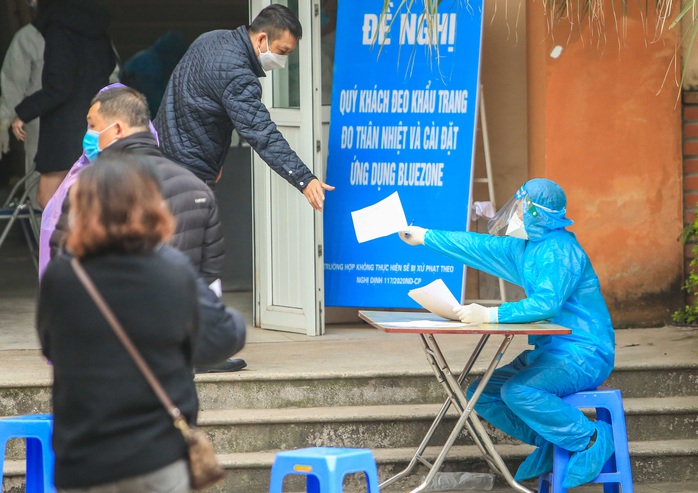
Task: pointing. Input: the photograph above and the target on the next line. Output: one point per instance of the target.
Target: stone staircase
(249, 419)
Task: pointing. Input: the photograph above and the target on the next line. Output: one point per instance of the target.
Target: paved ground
(344, 350)
(642, 488)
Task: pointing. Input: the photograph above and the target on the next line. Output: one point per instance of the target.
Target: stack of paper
(437, 298)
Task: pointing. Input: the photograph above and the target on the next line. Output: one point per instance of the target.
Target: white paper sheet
(437, 298)
(380, 219)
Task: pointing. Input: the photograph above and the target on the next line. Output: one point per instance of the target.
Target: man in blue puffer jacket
(523, 398)
(215, 88)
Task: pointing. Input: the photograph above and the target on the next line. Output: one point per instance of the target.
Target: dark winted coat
(78, 60)
(108, 423)
(199, 233)
(214, 89)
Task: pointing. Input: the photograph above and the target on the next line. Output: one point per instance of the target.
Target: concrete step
(672, 461)
(245, 390)
(397, 426)
(29, 398)
(675, 461)
(655, 381)
(400, 426)
(667, 418)
(234, 391)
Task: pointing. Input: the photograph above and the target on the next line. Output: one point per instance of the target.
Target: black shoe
(229, 365)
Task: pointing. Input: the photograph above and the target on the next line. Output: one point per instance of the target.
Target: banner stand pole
(490, 190)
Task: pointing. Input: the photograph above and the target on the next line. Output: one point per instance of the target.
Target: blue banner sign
(404, 106)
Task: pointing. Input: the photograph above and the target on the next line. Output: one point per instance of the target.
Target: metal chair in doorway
(18, 209)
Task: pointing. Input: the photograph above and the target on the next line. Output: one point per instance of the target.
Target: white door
(288, 270)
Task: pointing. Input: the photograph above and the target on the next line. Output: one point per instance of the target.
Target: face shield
(509, 219)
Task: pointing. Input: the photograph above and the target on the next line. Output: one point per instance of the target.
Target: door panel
(288, 271)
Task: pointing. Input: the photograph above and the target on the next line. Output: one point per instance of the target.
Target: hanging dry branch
(587, 17)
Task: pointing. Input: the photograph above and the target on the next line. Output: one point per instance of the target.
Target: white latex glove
(413, 235)
(4, 137)
(477, 314)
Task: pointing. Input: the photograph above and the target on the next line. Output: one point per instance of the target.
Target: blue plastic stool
(37, 429)
(324, 468)
(609, 408)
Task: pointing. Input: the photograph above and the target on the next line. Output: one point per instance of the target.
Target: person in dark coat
(121, 117)
(78, 60)
(149, 70)
(215, 89)
(110, 429)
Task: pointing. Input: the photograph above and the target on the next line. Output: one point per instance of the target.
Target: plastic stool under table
(37, 430)
(609, 408)
(324, 468)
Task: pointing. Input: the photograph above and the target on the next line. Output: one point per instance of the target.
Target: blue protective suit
(523, 397)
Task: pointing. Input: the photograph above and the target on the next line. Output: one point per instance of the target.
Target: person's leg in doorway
(31, 144)
(48, 184)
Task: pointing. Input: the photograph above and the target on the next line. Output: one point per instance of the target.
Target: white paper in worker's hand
(437, 298)
(380, 219)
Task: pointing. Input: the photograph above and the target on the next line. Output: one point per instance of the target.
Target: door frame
(306, 315)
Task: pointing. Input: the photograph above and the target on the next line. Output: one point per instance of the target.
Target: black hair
(274, 20)
(126, 103)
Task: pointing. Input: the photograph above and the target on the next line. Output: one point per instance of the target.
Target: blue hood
(551, 202)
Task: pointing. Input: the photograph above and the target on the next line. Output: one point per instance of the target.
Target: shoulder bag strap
(172, 410)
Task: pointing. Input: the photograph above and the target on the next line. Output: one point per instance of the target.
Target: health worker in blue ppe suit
(523, 398)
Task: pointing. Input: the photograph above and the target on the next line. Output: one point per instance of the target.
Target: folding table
(426, 325)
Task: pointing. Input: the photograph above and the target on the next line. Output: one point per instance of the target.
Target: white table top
(428, 323)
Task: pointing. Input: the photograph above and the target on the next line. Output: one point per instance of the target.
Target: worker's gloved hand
(477, 314)
(413, 235)
(4, 137)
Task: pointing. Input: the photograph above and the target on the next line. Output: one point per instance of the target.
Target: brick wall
(690, 169)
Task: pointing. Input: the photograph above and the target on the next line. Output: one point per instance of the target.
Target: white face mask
(271, 60)
(516, 228)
